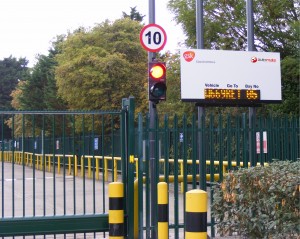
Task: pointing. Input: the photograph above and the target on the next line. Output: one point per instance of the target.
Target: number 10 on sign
(153, 37)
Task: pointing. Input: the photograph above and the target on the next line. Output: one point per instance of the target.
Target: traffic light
(157, 81)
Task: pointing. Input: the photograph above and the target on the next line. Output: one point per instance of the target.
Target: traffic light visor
(157, 71)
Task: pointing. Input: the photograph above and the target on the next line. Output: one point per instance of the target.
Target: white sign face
(215, 77)
(153, 37)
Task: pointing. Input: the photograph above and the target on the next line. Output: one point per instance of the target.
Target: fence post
(196, 214)
(163, 210)
(116, 210)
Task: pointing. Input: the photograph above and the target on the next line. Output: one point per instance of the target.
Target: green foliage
(276, 29)
(134, 15)
(11, 72)
(173, 104)
(290, 68)
(38, 91)
(99, 67)
(260, 202)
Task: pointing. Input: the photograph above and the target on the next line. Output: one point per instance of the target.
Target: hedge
(259, 202)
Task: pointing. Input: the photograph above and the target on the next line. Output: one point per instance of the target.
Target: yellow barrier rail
(57, 160)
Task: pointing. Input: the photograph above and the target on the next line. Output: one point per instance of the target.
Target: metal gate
(55, 169)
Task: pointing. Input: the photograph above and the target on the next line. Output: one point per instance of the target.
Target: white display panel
(217, 77)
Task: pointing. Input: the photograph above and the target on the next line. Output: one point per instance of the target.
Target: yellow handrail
(48, 161)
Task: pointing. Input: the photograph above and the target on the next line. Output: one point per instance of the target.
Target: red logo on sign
(253, 59)
(189, 56)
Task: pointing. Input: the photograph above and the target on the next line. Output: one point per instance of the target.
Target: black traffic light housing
(157, 81)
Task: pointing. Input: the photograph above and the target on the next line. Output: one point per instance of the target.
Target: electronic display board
(230, 78)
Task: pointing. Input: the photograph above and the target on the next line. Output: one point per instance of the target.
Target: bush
(259, 202)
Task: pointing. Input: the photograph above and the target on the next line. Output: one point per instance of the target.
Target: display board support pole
(252, 110)
(201, 110)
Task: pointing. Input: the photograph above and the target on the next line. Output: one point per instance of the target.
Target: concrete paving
(51, 194)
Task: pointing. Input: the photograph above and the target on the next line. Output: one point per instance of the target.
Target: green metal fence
(47, 187)
(226, 147)
(55, 166)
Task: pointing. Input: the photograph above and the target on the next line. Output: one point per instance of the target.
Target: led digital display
(230, 78)
(231, 94)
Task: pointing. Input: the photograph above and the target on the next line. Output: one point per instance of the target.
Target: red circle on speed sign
(153, 37)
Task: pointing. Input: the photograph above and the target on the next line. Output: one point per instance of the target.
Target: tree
(11, 72)
(98, 67)
(39, 92)
(173, 103)
(134, 15)
(276, 29)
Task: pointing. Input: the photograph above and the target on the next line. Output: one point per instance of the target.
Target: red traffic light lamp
(157, 81)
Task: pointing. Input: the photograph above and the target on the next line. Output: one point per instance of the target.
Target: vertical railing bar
(212, 166)
(290, 138)
(33, 163)
(229, 130)
(238, 140)
(83, 155)
(74, 164)
(112, 148)
(94, 165)
(261, 125)
(102, 163)
(123, 150)
(297, 136)
(54, 165)
(194, 152)
(278, 138)
(23, 163)
(286, 140)
(278, 149)
(281, 137)
(2, 163)
(74, 169)
(148, 219)
(185, 165)
(253, 130)
(13, 166)
(157, 155)
(212, 169)
(202, 150)
(273, 136)
(64, 162)
(294, 138)
(166, 148)
(140, 177)
(220, 148)
(268, 138)
(176, 206)
(44, 166)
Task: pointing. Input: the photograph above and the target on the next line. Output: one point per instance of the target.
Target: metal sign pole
(201, 110)
(152, 163)
(252, 110)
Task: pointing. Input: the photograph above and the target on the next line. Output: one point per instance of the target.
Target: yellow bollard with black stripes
(116, 210)
(196, 214)
(163, 210)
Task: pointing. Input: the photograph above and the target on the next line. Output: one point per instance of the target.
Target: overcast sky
(28, 26)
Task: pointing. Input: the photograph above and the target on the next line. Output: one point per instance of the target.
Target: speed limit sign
(153, 37)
